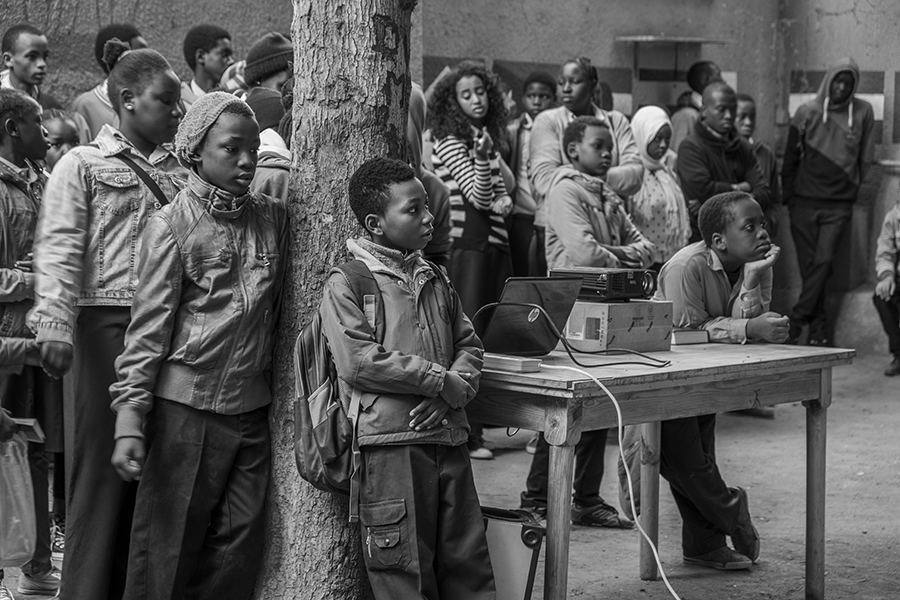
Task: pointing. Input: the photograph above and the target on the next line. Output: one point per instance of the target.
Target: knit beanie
(200, 118)
(266, 104)
(267, 56)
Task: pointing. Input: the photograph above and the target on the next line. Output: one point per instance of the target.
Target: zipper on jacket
(369, 540)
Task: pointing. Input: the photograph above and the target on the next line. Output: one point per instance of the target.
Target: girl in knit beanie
(195, 371)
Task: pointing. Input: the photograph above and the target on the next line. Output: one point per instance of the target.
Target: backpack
(325, 442)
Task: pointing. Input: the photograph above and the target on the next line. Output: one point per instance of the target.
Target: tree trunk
(351, 94)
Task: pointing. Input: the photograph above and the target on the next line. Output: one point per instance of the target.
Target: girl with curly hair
(467, 118)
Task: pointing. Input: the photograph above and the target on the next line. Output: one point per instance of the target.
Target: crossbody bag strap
(148, 181)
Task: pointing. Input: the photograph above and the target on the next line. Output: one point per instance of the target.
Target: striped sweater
(475, 185)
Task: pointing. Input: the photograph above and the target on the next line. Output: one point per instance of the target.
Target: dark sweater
(709, 165)
(829, 146)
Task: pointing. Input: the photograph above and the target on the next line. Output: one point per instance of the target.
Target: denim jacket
(204, 313)
(20, 200)
(426, 333)
(89, 230)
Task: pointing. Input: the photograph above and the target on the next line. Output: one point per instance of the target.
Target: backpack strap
(363, 284)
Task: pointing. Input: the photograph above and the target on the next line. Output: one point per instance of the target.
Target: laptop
(523, 330)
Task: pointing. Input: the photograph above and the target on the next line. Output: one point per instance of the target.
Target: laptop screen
(524, 330)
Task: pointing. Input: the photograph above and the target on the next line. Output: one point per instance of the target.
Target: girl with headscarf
(659, 209)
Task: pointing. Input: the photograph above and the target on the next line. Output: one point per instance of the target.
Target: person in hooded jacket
(714, 158)
(829, 149)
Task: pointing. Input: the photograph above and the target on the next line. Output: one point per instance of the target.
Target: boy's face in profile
(28, 60)
(719, 108)
(745, 238)
(745, 120)
(218, 59)
(593, 154)
(228, 156)
(406, 224)
(28, 135)
(536, 98)
(62, 136)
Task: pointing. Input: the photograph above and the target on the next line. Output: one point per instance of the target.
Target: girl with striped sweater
(467, 115)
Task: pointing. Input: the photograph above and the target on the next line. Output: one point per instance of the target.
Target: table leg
(816, 419)
(650, 442)
(559, 507)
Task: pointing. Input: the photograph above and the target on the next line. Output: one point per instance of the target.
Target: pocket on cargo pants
(386, 534)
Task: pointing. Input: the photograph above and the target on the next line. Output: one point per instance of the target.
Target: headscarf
(200, 118)
(658, 209)
(645, 124)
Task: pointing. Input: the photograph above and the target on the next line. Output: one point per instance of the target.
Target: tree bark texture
(351, 95)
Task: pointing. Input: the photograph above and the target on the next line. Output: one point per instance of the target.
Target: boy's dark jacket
(20, 201)
(829, 147)
(426, 334)
(710, 165)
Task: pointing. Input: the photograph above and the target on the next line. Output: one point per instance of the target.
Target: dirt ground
(768, 458)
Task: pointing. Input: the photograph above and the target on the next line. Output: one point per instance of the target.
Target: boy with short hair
(745, 122)
(193, 389)
(25, 51)
(587, 226)
(714, 158)
(422, 529)
(26, 391)
(722, 284)
(208, 52)
(538, 94)
(887, 294)
(699, 75)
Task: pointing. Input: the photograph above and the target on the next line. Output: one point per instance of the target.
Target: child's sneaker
(39, 585)
(58, 531)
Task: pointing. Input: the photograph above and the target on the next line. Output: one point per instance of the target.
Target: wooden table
(702, 379)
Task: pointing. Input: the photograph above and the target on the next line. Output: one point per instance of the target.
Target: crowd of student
(148, 267)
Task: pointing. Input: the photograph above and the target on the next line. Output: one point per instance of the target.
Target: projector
(605, 285)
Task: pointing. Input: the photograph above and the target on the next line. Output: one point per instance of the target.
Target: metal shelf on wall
(675, 40)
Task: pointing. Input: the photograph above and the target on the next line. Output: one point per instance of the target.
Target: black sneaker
(723, 559)
(745, 536)
(58, 533)
(893, 368)
(599, 515)
(537, 508)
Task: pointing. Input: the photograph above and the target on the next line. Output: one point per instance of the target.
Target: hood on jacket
(844, 64)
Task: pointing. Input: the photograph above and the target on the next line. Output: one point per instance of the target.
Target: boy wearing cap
(269, 61)
(193, 390)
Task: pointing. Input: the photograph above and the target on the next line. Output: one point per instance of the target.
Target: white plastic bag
(18, 529)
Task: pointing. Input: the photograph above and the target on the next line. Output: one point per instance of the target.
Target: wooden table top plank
(691, 363)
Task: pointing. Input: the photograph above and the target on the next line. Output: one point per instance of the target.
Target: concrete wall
(539, 33)
(72, 25)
